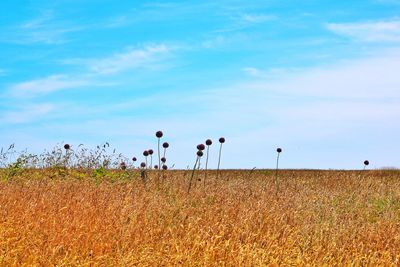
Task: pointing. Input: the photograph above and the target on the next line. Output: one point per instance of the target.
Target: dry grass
(319, 218)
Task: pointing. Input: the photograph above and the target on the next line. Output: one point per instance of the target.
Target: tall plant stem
(191, 177)
(159, 157)
(219, 159)
(205, 173)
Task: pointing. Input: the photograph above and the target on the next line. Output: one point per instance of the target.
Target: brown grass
(319, 218)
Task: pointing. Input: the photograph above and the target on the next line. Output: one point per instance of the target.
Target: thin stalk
(159, 157)
(151, 161)
(219, 159)
(205, 173)
(191, 177)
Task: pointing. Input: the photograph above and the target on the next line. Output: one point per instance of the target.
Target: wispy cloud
(43, 29)
(256, 18)
(377, 31)
(27, 113)
(132, 58)
(46, 85)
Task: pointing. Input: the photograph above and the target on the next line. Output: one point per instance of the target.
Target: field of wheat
(69, 217)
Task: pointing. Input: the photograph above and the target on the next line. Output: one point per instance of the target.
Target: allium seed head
(134, 159)
(163, 160)
(156, 167)
(145, 153)
(165, 167)
(366, 163)
(201, 147)
(159, 134)
(165, 145)
(208, 142)
(67, 146)
(142, 164)
(200, 153)
(150, 151)
(279, 150)
(222, 140)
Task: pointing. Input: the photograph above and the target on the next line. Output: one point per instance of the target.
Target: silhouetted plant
(278, 150)
(366, 163)
(165, 146)
(159, 134)
(221, 141)
(199, 155)
(208, 144)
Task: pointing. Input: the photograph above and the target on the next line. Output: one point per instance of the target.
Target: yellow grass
(319, 218)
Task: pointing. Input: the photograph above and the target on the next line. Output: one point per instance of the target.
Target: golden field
(69, 217)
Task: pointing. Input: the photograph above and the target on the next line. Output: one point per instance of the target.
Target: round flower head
(201, 147)
(366, 163)
(142, 164)
(145, 153)
(67, 146)
(165, 167)
(208, 142)
(159, 134)
(150, 151)
(222, 140)
(156, 167)
(200, 153)
(134, 159)
(163, 160)
(279, 150)
(165, 145)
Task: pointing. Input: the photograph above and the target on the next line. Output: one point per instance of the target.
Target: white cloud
(256, 18)
(27, 113)
(378, 31)
(131, 59)
(45, 86)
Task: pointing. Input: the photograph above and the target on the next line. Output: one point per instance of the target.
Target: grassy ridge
(68, 217)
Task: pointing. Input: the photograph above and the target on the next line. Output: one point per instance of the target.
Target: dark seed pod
(279, 150)
(200, 153)
(145, 153)
(165, 145)
(159, 134)
(143, 165)
(150, 151)
(163, 160)
(165, 167)
(134, 159)
(156, 167)
(208, 142)
(222, 140)
(201, 147)
(67, 146)
(366, 163)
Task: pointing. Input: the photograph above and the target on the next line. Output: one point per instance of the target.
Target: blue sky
(318, 78)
